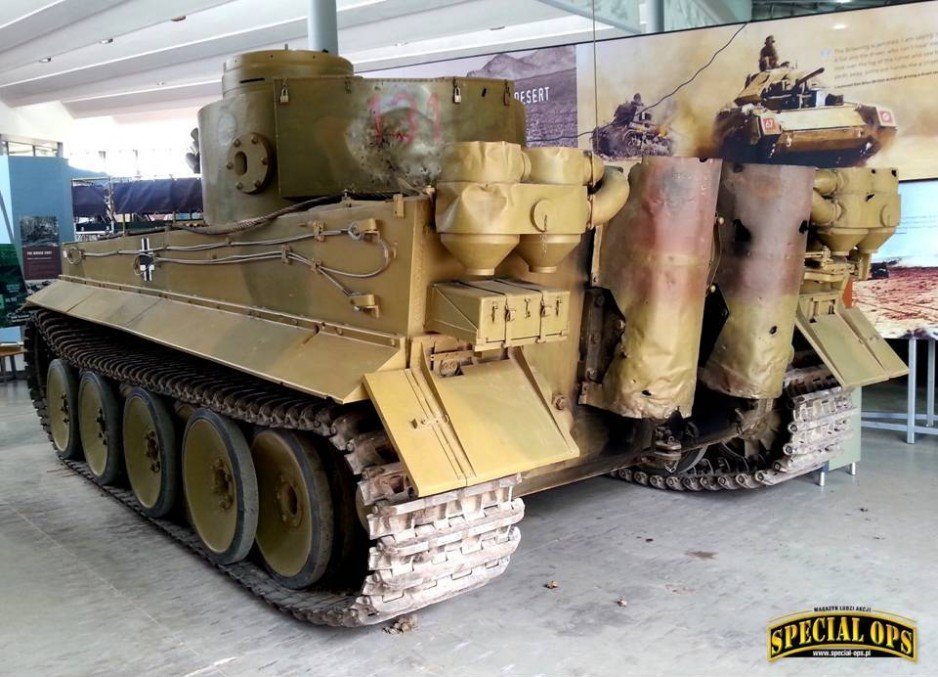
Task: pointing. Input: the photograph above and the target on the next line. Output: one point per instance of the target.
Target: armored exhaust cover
(655, 258)
(762, 242)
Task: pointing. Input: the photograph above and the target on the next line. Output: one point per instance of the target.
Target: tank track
(421, 551)
(818, 422)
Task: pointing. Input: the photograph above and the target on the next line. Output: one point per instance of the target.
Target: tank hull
(615, 142)
(834, 136)
(362, 385)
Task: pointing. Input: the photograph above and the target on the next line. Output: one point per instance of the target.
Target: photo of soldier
(626, 112)
(768, 55)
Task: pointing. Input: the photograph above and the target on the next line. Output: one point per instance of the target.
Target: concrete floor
(87, 588)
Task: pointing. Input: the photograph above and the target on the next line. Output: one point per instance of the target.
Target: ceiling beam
(79, 26)
(200, 59)
(368, 63)
(48, 19)
(442, 21)
(621, 14)
(14, 10)
(235, 16)
(169, 65)
(356, 13)
(534, 35)
(168, 98)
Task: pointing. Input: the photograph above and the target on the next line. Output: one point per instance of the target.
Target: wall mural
(841, 89)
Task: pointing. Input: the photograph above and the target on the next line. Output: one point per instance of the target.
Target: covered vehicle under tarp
(89, 200)
(158, 196)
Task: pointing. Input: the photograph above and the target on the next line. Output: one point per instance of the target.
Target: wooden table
(9, 351)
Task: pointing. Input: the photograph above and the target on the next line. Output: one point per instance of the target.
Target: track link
(422, 550)
(818, 422)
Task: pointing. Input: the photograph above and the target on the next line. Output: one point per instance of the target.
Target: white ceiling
(122, 57)
(105, 57)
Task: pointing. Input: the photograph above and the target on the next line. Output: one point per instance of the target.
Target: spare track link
(818, 423)
(422, 550)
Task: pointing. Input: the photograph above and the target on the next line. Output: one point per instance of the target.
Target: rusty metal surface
(818, 423)
(655, 260)
(761, 258)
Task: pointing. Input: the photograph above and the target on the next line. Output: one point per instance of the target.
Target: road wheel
(295, 529)
(350, 547)
(220, 486)
(62, 402)
(150, 453)
(99, 424)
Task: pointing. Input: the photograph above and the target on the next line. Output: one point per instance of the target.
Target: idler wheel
(689, 460)
(295, 527)
(150, 453)
(220, 486)
(62, 405)
(99, 422)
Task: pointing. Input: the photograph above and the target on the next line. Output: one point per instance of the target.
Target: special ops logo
(842, 632)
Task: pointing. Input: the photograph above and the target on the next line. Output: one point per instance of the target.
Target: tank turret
(294, 125)
(775, 88)
(802, 80)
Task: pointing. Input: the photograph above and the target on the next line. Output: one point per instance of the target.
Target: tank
(787, 115)
(397, 321)
(642, 136)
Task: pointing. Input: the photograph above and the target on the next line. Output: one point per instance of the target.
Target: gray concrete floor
(87, 588)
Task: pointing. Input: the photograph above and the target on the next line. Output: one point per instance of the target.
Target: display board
(12, 287)
(39, 236)
(835, 89)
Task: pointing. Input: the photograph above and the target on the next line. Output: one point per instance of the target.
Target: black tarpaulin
(158, 196)
(89, 200)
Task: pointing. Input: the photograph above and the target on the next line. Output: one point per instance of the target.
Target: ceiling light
(45, 59)
(839, 27)
(179, 18)
(107, 41)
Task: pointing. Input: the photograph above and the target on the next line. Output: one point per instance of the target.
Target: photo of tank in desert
(545, 82)
(632, 133)
(787, 115)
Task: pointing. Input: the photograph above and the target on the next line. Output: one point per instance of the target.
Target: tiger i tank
(397, 320)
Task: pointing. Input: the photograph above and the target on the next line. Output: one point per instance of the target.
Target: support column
(654, 16)
(910, 402)
(322, 30)
(930, 385)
